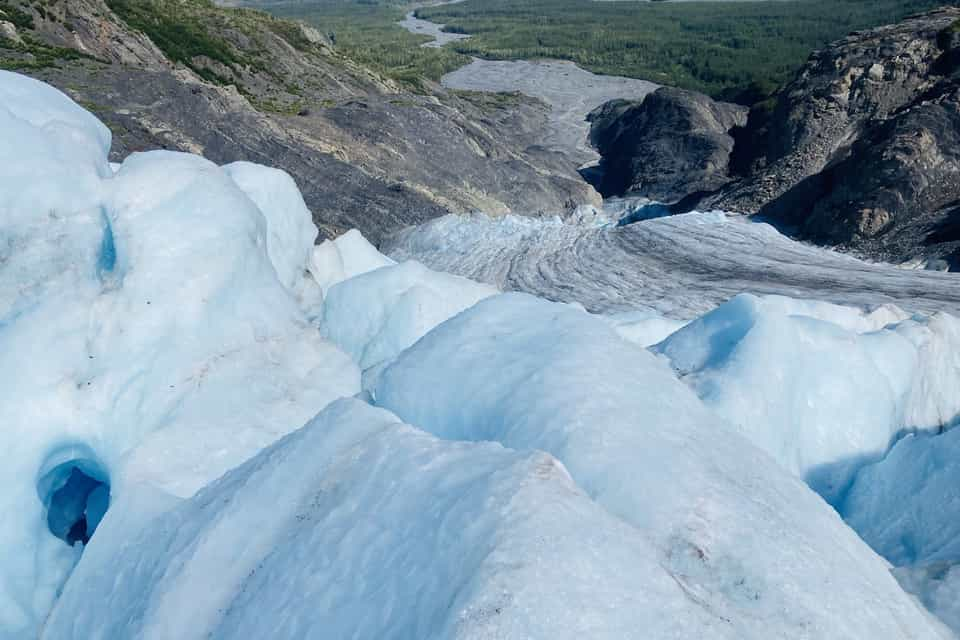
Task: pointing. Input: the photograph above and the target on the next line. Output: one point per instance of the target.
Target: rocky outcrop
(365, 152)
(840, 92)
(8, 31)
(862, 149)
(893, 194)
(667, 146)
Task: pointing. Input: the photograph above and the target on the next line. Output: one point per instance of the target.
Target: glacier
(538, 375)
(218, 429)
(904, 506)
(679, 266)
(821, 388)
(145, 331)
(376, 315)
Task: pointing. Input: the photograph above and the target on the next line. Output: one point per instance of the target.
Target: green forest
(733, 50)
(367, 31)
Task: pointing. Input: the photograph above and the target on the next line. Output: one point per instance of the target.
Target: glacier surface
(145, 330)
(216, 429)
(820, 387)
(376, 315)
(679, 266)
(905, 507)
(537, 375)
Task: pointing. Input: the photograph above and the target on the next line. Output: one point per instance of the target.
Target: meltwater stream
(416, 25)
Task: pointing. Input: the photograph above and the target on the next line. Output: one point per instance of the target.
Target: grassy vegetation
(11, 13)
(367, 32)
(195, 32)
(723, 48)
(734, 50)
(30, 53)
(170, 25)
(34, 55)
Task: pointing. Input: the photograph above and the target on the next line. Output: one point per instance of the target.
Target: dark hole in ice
(76, 494)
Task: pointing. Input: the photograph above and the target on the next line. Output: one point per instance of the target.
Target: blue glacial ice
(215, 429)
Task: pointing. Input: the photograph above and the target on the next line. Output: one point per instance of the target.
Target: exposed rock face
(860, 150)
(839, 93)
(365, 153)
(862, 147)
(893, 192)
(9, 31)
(671, 144)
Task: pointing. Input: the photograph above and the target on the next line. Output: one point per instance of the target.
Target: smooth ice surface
(347, 256)
(358, 526)
(142, 320)
(290, 228)
(907, 507)
(645, 328)
(536, 375)
(820, 387)
(679, 266)
(376, 315)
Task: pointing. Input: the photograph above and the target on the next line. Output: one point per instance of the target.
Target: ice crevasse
(168, 329)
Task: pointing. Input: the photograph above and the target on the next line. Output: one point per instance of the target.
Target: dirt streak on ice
(680, 266)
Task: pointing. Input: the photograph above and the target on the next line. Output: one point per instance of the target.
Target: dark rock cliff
(865, 144)
(861, 150)
(670, 144)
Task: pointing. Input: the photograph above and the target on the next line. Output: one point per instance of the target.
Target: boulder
(9, 32)
(667, 146)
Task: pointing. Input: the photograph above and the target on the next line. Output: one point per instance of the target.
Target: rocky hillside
(860, 150)
(863, 147)
(235, 84)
